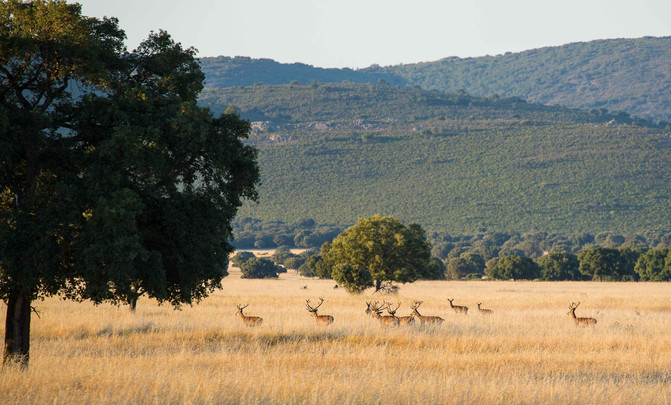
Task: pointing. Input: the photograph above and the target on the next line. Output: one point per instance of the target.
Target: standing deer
(579, 321)
(248, 320)
(322, 319)
(484, 311)
(424, 319)
(376, 312)
(403, 320)
(458, 308)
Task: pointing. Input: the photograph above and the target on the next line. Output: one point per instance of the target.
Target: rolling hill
(450, 161)
(618, 75)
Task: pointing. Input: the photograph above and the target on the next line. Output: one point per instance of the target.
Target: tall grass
(528, 351)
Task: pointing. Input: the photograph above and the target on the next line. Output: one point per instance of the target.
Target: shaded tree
(241, 257)
(113, 180)
(259, 267)
(558, 266)
(353, 277)
(655, 265)
(514, 267)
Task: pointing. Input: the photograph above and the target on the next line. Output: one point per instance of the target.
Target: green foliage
(382, 246)
(354, 278)
(609, 264)
(113, 180)
(560, 266)
(435, 270)
(315, 266)
(496, 164)
(259, 267)
(241, 258)
(514, 267)
(467, 263)
(655, 265)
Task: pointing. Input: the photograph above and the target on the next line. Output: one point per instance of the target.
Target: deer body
(402, 320)
(484, 311)
(580, 321)
(424, 319)
(321, 319)
(376, 312)
(248, 320)
(458, 308)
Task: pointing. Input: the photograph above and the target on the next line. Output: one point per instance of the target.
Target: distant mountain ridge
(627, 75)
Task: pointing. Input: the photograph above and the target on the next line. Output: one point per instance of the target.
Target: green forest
(452, 162)
(627, 75)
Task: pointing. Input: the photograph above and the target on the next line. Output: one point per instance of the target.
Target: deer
(484, 311)
(402, 320)
(376, 312)
(579, 321)
(321, 319)
(248, 320)
(458, 308)
(424, 319)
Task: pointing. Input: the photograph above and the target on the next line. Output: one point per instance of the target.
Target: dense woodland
(629, 75)
(452, 162)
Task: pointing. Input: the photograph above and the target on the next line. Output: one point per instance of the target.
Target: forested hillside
(450, 161)
(628, 75)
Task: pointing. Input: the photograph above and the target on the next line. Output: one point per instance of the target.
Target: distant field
(528, 351)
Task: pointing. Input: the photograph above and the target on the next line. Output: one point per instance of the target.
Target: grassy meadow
(528, 351)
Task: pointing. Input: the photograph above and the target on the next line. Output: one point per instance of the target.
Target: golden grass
(528, 351)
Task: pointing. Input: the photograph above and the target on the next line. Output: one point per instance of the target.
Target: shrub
(260, 267)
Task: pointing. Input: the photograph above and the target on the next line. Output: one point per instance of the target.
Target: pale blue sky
(359, 33)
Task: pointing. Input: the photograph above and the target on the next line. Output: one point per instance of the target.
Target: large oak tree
(380, 246)
(112, 180)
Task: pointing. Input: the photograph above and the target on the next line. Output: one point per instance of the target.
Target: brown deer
(248, 320)
(484, 311)
(375, 311)
(458, 308)
(322, 319)
(402, 320)
(579, 321)
(424, 319)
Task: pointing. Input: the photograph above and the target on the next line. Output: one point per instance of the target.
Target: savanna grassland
(528, 351)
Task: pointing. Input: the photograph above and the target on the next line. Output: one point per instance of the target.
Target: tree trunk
(17, 329)
(133, 302)
(378, 285)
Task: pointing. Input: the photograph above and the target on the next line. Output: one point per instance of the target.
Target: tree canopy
(111, 177)
(381, 246)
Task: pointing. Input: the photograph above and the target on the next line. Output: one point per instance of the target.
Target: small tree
(241, 258)
(384, 247)
(560, 266)
(435, 270)
(259, 267)
(514, 267)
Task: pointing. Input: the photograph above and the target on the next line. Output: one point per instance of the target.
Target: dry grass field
(527, 352)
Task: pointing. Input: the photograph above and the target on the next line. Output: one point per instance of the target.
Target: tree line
(381, 249)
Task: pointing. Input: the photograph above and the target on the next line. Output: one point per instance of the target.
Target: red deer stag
(460, 309)
(484, 311)
(248, 320)
(424, 319)
(580, 321)
(402, 320)
(322, 319)
(375, 311)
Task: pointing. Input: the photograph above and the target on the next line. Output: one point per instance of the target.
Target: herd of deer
(375, 309)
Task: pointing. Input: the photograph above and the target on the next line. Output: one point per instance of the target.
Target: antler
(574, 305)
(240, 307)
(311, 309)
(393, 311)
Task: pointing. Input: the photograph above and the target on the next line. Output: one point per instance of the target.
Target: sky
(360, 33)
